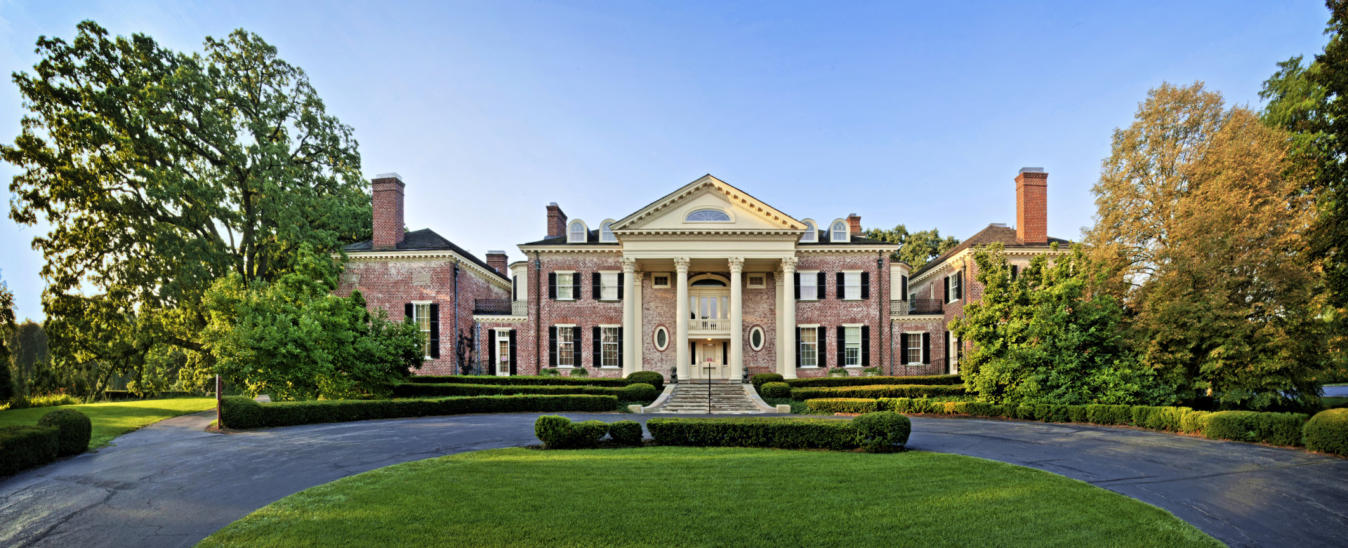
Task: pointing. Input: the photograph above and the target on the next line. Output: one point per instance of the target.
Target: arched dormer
(811, 234)
(606, 235)
(577, 232)
(838, 232)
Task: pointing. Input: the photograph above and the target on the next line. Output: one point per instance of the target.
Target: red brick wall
(389, 284)
(760, 309)
(1032, 207)
(657, 311)
(585, 312)
(388, 212)
(832, 312)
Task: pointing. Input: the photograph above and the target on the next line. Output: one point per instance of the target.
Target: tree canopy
(916, 248)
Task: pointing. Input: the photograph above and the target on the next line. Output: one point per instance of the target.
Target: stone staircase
(727, 397)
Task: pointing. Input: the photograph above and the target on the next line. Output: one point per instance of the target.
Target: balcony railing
(500, 307)
(916, 306)
(705, 325)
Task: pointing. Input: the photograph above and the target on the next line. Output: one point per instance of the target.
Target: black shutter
(512, 351)
(622, 356)
(798, 346)
(1015, 270)
(959, 287)
(725, 353)
(821, 294)
(575, 338)
(945, 296)
(552, 346)
(491, 352)
(596, 348)
(903, 281)
(407, 312)
(838, 292)
(594, 285)
(552, 285)
(435, 330)
(959, 347)
(903, 348)
(842, 346)
(946, 361)
(926, 348)
(621, 281)
(866, 345)
(797, 277)
(865, 285)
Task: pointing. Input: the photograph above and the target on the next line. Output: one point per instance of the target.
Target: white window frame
(811, 234)
(833, 229)
(952, 350)
(571, 232)
(762, 280)
(812, 276)
(852, 341)
(501, 335)
(571, 285)
(728, 217)
(608, 285)
(762, 338)
(851, 285)
(606, 234)
(655, 280)
(655, 338)
(417, 316)
(566, 328)
(813, 329)
(921, 356)
(617, 346)
(952, 287)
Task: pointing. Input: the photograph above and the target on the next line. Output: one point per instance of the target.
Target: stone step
(692, 398)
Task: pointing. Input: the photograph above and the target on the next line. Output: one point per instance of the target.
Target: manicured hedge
(23, 447)
(763, 378)
(429, 390)
(625, 432)
(240, 412)
(1274, 428)
(882, 432)
(775, 390)
(877, 391)
(1327, 431)
(649, 377)
(560, 433)
(521, 380)
(820, 382)
(843, 405)
(755, 432)
(73, 427)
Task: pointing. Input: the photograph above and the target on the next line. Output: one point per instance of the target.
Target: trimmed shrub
(554, 431)
(838, 372)
(526, 380)
(1051, 413)
(23, 447)
(882, 432)
(73, 427)
(430, 390)
(763, 378)
(579, 372)
(649, 377)
(586, 434)
(1327, 432)
(1273, 428)
(1025, 411)
(790, 433)
(820, 382)
(1193, 422)
(1077, 413)
(843, 405)
(638, 392)
(550, 372)
(240, 412)
(625, 432)
(1109, 414)
(910, 405)
(877, 391)
(1166, 418)
(775, 390)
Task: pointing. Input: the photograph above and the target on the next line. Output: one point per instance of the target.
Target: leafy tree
(32, 361)
(917, 248)
(294, 339)
(161, 172)
(1050, 335)
(6, 328)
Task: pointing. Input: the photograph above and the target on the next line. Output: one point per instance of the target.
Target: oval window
(756, 338)
(661, 338)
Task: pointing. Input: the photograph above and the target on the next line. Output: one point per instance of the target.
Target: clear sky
(914, 113)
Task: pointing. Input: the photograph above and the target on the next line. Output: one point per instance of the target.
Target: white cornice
(736, 196)
(487, 318)
(916, 318)
(574, 248)
(424, 255)
(846, 248)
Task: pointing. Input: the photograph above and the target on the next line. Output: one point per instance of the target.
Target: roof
(993, 234)
(424, 240)
(855, 240)
(590, 238)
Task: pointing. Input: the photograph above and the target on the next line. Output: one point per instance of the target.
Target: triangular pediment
(708, 204)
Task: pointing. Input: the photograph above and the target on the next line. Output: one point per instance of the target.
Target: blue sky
(912, 113)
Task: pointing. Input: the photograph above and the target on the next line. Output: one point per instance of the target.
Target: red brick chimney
(497, 260)
(1032, 206)
(854, 224)
(556, 221)
(388, 210)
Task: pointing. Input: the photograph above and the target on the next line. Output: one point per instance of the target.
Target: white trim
(574, 285)
(617, 287)
(564, 325)
(656, 341)
(748, 281)
(921, 355)
(585, 232)
(811, 234)
(730, 217)
(762, 335)
(847, 231)
(492, 277)
(847, 273)
(666, 285)
(814, 281)
(607, 224)
(813, 325)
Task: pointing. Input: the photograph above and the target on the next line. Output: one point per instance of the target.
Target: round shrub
(554, 431)
(882, 431)
(74, 429)
(1327, 432)
(775, 390)
(639, 392)
(625, 432)
(649, 377)
(588, 433)
(763, 378)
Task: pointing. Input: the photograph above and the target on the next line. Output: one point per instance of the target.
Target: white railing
(519, 308)
(709, 324)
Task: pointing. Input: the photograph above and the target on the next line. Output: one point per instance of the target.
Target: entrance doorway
(710, 359)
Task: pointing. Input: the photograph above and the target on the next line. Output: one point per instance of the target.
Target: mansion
(707, 282)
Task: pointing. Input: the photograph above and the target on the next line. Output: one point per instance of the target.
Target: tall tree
(6, 329)
(32, 363)
(161, 171)
(916, 248)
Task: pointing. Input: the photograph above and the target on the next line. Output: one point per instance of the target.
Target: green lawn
(112, 419)
(708, 497)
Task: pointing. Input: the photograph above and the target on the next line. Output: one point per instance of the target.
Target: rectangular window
(502, 352)
(952, 349)
(421, 315)
(608, 286)
(914, 345)
(757, 281)
(566, 287)
(566, 346)
(809, 347)
(809, 285)
(660, 281)
(852, 286)
(852, 350)
(954, 291)
(610, 351)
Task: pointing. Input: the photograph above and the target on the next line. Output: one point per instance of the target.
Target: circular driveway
(172, 483)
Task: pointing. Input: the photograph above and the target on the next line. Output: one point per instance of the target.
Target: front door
(711, 362)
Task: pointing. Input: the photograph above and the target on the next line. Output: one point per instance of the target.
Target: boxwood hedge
(790, 433)
(560, 433)
(819, 382)
(23, 447)
(649, 377)
(877, 391)
(1274, 428)
(239, 412)
(843, 405)
(73, 427)
(1327, 431)
(775, 390)
(763, 378)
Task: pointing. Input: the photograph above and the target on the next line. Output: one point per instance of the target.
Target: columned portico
(681, 356)
(788, 328)
(736, 318)
(631, 328)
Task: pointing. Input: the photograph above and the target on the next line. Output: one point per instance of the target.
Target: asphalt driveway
(172, 484)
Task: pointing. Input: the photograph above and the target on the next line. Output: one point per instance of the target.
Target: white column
(630, 327)
(681, 357)
(736, 318)
(780, 336)
(789, 318)
(639, 338)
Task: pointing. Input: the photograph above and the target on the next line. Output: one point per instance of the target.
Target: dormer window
(606, 232)
(838, 234)
(576, 232)
(707, 216)
(811, 234)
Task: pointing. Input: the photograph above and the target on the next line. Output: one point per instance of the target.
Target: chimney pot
(387, 196)
(496, 259)
(1032, 206)
(556, 221)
